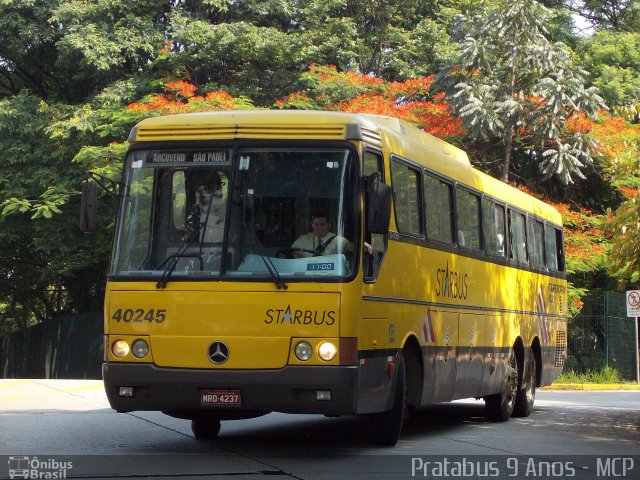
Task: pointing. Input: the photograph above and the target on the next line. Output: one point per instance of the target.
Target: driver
(320, 240)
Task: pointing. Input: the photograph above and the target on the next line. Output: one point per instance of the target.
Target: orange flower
(628, 191)
(183, 88)
(577, 303)
(580, 123)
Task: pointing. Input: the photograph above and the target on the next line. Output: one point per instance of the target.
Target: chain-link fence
(602, 335)
(63, 347)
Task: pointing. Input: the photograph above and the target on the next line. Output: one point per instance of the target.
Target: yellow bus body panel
(256, 326)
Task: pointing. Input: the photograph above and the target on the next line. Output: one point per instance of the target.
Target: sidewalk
(592, 386)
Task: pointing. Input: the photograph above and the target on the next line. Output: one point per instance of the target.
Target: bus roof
(392, 134)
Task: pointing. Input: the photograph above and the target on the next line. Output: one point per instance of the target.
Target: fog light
(303, 351)
(125, 391)
(327, 351)
(323, 395)
(120, 348)
(140, 348)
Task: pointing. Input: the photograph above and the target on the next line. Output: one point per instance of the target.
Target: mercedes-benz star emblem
(218, 352)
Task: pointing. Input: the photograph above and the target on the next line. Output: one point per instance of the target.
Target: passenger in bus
(211, 206)
(320, 240)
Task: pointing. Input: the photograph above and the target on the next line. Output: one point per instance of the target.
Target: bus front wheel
(499, 407)
(205, 429)
(385, 427)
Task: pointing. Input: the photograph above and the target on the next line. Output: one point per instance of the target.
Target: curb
(592, 386)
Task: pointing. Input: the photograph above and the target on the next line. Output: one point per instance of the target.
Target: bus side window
(536, 242)
(553, 249)
(494, 230)
(439, 209)
(518, 236)
(378, 242)
(406, 198)
(468, 210)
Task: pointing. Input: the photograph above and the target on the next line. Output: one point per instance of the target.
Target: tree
(620, 146)
(46, 267)
(75, 76)
(510, 83)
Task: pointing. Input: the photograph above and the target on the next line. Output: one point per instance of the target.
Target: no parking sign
(633, 310)
(633, 303)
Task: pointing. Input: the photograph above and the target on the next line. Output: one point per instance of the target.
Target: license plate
(229, 398)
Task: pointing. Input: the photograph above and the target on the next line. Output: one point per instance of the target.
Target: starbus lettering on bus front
(299, 317)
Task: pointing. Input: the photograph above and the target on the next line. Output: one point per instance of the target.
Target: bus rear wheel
(527, 395)
(385, 427)
(205, 429)
(499, 407)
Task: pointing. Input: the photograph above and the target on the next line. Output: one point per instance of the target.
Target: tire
(385, 427)
(499, 407)
(527, 391)
(205, 429)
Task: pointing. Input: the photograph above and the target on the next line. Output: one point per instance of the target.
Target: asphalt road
(64, 428)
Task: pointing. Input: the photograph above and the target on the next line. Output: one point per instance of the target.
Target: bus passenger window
(536, 243)
(518, 236)
(406, 198)
(494, 228)
(468, 209)
(553, 249)
(439, 210)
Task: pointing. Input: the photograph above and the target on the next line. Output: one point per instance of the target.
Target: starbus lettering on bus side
(451, 284)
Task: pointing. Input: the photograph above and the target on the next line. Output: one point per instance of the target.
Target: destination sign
(217, 157)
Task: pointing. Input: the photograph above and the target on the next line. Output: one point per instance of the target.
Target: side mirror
(88, 206)
(378, 203)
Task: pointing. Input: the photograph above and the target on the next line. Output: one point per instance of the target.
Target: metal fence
(63, 347)
(602, 335)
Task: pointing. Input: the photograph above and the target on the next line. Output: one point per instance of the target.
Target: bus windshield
(261, 212)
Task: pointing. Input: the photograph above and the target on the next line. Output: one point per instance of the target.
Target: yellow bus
(429, 280)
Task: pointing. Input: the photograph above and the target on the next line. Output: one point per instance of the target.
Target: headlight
(140, 348)
(120, 348)
(327, 351)
(304, 351)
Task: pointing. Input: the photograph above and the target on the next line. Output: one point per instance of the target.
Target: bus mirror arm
(89, 198)
(378, 202)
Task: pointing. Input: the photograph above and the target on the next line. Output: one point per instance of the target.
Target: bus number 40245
(137, 315)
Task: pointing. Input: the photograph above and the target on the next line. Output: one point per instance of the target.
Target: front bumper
(291, 389)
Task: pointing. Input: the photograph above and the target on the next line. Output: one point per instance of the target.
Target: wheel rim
(531, 384)
(512, 382)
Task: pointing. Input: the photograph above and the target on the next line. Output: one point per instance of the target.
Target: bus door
(470, 355)
(445, 362)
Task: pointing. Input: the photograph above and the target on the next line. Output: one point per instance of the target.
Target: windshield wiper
(271, 268)
(174, 258)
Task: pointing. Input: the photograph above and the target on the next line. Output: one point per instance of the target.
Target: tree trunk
(508, 143)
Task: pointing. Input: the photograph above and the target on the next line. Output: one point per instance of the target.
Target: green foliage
(613, 62)
(46, 266)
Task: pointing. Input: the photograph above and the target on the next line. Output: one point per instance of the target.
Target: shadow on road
(315, 435)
